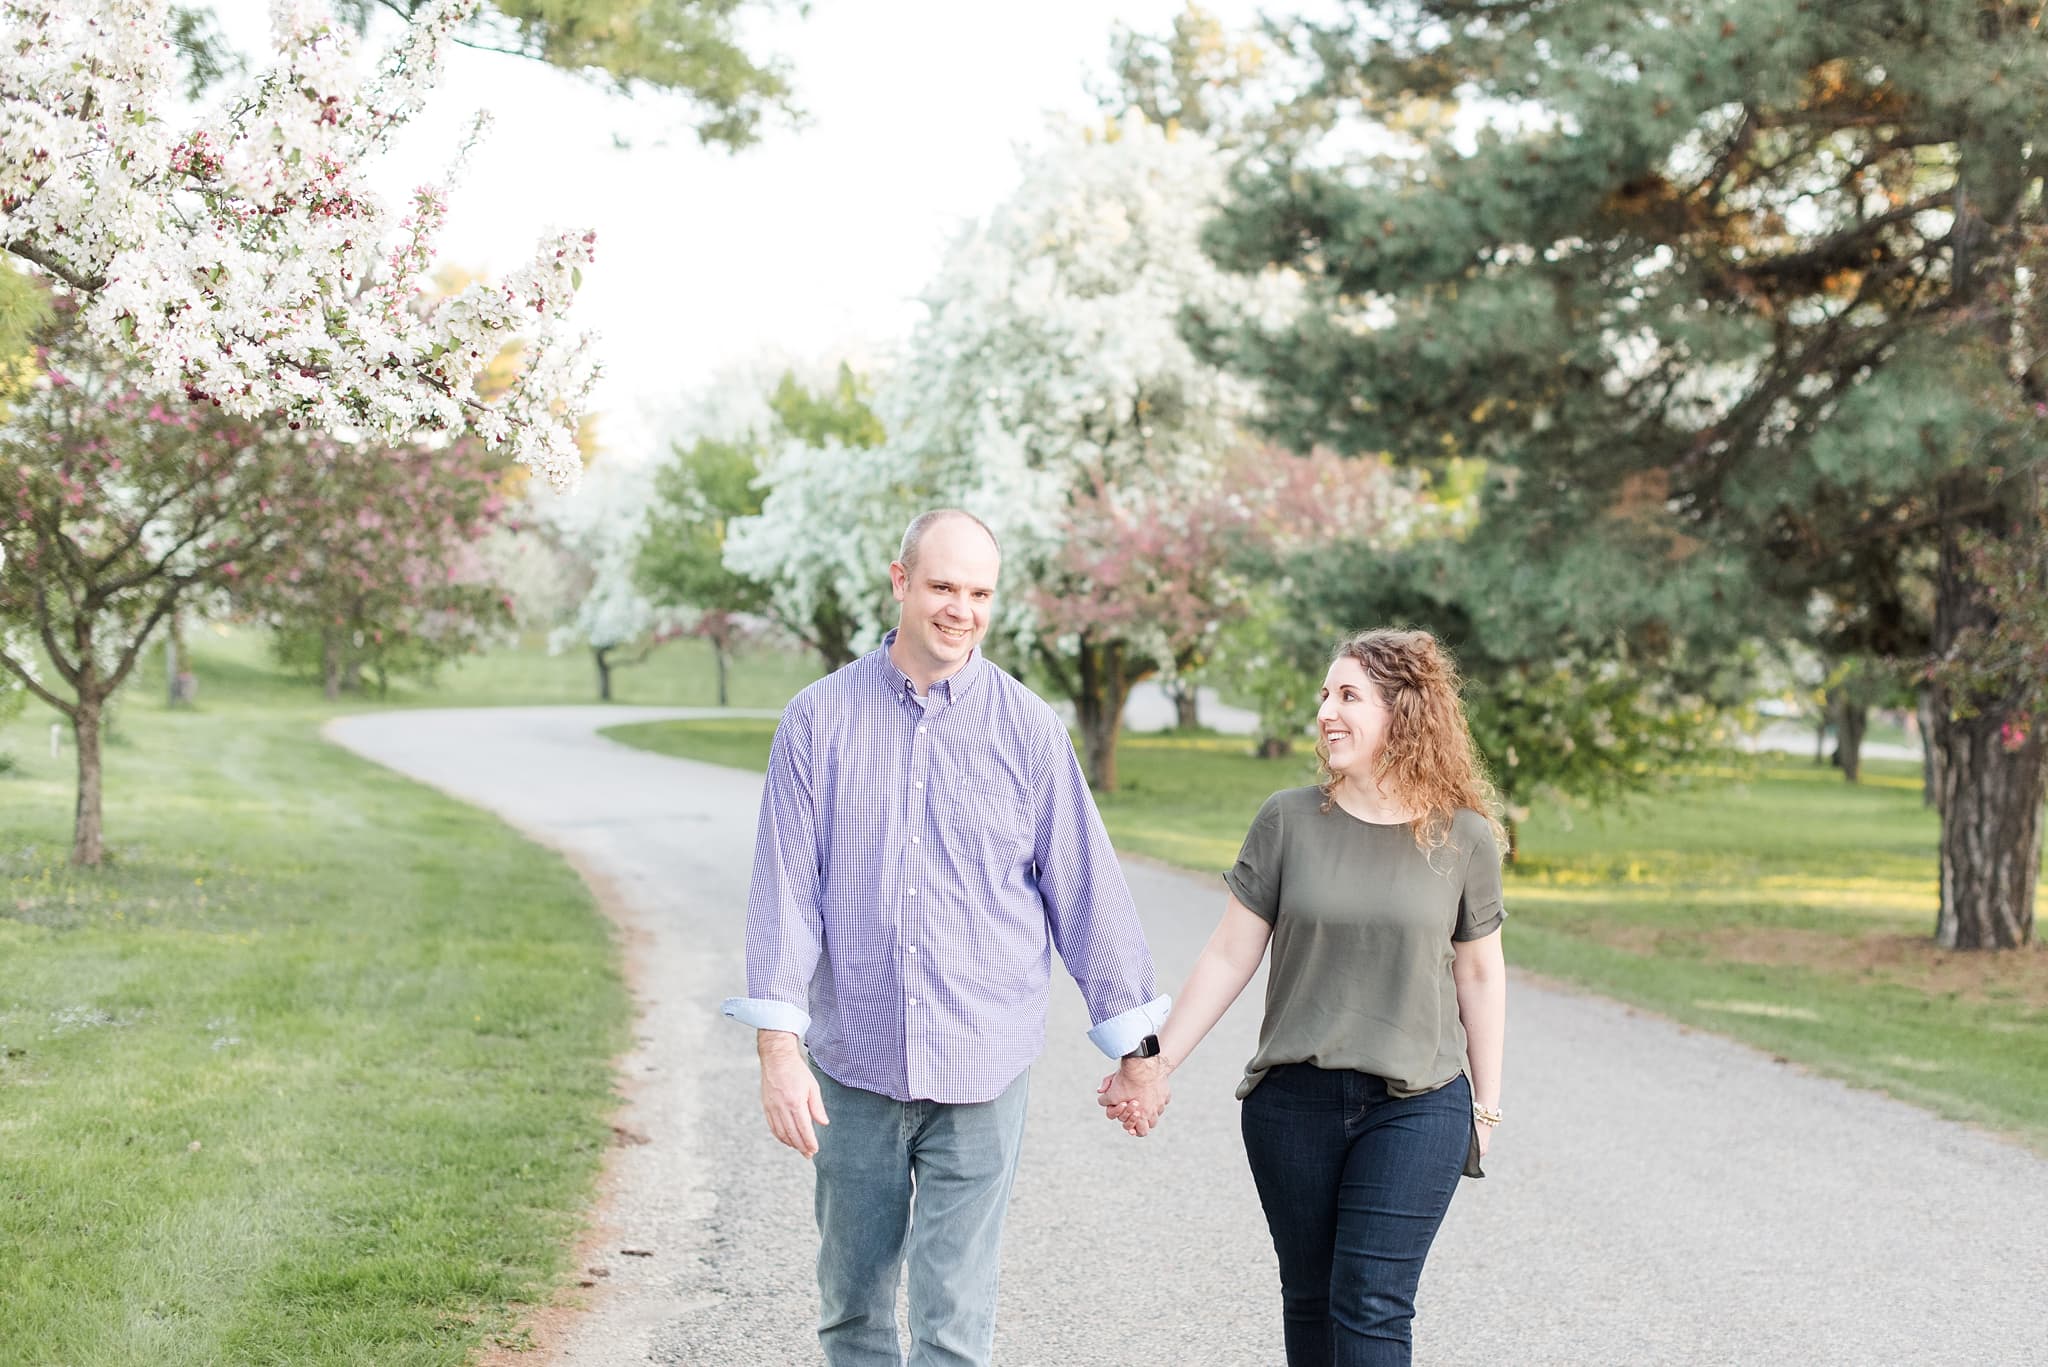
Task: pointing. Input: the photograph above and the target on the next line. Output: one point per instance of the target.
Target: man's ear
(899, 579)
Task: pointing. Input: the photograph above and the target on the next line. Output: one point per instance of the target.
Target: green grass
(678, 674)
(1772, 902)
(317, 1070)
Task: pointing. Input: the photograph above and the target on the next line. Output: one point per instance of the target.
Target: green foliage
(688, 48)
(703, 487)
(2006, 657)
(1580, 688)
(682, 557)
(1258, 659)
(24, 313)
(203, 48)
(1733, 284)
(1701, 271)
(840, 414)
(13, 700)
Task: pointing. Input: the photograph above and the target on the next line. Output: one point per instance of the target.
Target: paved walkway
(1657, 1195)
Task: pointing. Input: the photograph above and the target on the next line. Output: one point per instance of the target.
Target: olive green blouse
(1362, 928)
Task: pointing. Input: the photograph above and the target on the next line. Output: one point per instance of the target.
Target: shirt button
(920, 783)
(913, 892)
(913, 1001)
(913, 949)
(923, 728)
(913, 840)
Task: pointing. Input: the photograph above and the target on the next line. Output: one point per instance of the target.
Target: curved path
(1658, 1196)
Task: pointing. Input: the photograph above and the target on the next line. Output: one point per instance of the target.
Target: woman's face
(1352, 720)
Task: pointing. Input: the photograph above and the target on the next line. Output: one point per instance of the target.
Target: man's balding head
(914, 534)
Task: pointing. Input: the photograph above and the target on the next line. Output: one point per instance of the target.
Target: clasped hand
(1135, 1095)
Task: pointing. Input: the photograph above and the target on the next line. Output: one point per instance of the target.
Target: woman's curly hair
(1428, 762)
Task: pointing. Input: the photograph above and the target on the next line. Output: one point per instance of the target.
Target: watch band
(1147, 1047)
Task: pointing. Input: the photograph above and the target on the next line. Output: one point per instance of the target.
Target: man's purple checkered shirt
(917, 862)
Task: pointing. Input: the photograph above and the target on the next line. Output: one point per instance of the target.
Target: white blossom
(245, 257)
(1052, 357)
(601, 528)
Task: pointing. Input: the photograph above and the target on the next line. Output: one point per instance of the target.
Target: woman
(1377, 1077)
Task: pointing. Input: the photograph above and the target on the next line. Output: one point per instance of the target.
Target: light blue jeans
(920, 1181)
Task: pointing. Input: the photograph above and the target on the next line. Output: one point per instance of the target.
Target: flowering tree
(115, 508)
(710, 490)
(1151, 575)
(1050, 391)
(1273, 647)
(601, 528)
(384, 572)
(243, 260)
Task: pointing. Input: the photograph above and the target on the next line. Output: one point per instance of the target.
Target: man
(926, 840)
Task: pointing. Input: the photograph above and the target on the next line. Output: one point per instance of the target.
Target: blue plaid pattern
(917, 862)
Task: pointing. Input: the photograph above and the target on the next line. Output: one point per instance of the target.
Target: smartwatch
(1147, 1047)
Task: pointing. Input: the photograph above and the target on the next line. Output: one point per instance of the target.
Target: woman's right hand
(1136, 1094)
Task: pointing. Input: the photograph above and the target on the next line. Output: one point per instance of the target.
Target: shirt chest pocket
(989, 799)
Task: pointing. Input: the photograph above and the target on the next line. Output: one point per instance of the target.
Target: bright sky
(814, 240)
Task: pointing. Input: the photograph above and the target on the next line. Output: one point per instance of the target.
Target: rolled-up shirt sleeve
(1479, 900)
(1088, 906)
(785, 931)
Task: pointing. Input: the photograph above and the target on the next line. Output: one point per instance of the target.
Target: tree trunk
(1275, 747)
(1099, 709)
(1993, 775)
(1187, 707)
(724, 658)
(1514, 837)
(1930, 754)
(330, 666)
(1852, 719)
(832, 633)
(87, 842)
(604, 672)
(173, 658)
(1820, 737)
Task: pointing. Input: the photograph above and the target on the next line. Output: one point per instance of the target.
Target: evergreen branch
(1838, 251)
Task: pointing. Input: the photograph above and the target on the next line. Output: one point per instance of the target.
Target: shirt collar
(952, 688)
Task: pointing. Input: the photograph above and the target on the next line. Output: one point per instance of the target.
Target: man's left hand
(1136, 1094)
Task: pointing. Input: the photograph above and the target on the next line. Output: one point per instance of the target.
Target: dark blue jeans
(1355, 1184)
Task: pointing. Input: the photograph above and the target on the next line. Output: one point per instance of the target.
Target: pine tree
(1745, 285)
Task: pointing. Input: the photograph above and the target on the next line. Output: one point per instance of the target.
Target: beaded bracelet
(1485, 1115)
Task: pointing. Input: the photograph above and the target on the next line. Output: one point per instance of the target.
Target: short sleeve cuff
(1122, 1033)
(1484, 925)
(1253, 900)
(763, 1014)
